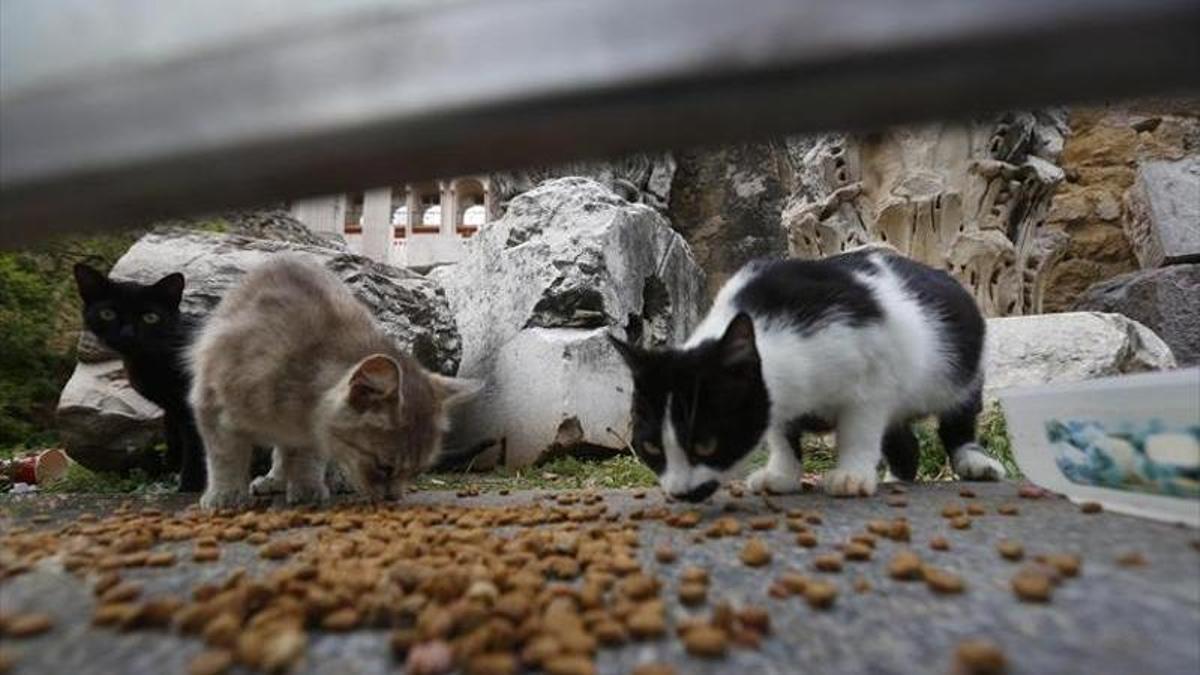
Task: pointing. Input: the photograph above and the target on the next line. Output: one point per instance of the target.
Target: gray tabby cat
(291, 359)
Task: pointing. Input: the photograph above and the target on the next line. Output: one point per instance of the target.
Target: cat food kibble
(806, 539)
(1132, 559)
(961, 523)
(1008, 510)
(952, 510)
(828, 562)
(1031, 585)
(979, 657)
(653, 669)
(211, 662)
(706, 641)
(1091, 507)
(942, 581)
(820, 594)
(1067, 564)
(665, 554)
(27, 625)
(857, 551)
(1010, 550)
(695, 575)
(692, 593)
(904, 565)
(939, 543)
(756, 553)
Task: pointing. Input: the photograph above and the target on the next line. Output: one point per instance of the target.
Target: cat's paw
(972, 463)
(230, 498)
(307, 493)
(761, 480)
(843, 483)
(266, 485)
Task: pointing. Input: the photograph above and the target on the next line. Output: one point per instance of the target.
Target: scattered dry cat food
(857, 551)
(211, 662)
(1132, 559)
(1031, 585)
(1008, 509)
(862, 585)
(693, 574)
(806, 539)
(1091, 507)
(939, 543)
(429, 658)
(828, 562)
(1031, 492)
(1010, 550)
(685, 520)
(27, 625)
(966, 493)
(756, 553)
(979, 657)
(897, 501)
(794, 582)
(942, 581)
(707, 641)
(692, 594)
(761, 523)
(974, 509)
(665, 554)
(961, 523)
(905, 565)
(1067, 564)
(820, 594)
(952, 510)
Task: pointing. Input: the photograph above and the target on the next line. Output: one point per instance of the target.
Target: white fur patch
(972, 463)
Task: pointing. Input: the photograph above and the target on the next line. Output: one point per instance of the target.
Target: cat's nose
(699, 493)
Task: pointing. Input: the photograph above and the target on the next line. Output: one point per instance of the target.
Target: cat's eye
(108, 315)
(150, 317)
(705, 449)
(651, 449)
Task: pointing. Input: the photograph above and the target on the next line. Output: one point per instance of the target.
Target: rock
(1069, 347)
(103, 421)
(105, 425)
(276, 224)
(1164, 212)
(967, 198)
(1166, 300)
(534, 295)
(727, 201)
(410, 307)
(642, 177)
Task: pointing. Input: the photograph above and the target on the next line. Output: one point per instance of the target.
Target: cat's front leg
(784, 472)
(859, 440)
(228, 453)
(304, 470)
(273, 481)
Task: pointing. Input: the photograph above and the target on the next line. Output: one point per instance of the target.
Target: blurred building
(408, 225)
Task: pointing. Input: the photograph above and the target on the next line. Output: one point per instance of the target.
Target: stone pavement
(1109, 619)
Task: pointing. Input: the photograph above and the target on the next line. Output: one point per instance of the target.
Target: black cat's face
(698, 412)
(126, 315)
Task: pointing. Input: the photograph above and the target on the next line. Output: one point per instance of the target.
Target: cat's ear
(171, 288)
(633, 356)
(737, 344)
(375, 379)
(92, 284)
(456, 390)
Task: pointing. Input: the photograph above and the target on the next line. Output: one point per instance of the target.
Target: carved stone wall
(970, 198)
(1107, 147)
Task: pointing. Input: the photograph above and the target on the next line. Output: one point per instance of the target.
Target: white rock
(1069, 347)
(103, 421)
(573, 257)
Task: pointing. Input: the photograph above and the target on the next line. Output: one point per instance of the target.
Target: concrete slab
(1110, 619)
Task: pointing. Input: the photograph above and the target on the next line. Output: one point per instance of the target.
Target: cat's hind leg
(228, 453)
(956, 429)
(784, 471)
(902, 452)
(191, 471)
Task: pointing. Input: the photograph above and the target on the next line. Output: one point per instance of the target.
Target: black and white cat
(143, 324)
(862, 343)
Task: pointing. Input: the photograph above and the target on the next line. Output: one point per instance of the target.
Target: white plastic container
(1131, 443)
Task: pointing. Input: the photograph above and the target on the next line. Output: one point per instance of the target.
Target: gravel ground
(1110, 619)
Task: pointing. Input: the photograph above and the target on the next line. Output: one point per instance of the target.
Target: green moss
(81, 480)
(564, 473)
(39, 323)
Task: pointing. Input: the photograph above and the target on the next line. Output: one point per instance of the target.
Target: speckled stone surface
(1110, 619)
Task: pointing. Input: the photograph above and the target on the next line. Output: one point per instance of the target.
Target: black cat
(144, 325)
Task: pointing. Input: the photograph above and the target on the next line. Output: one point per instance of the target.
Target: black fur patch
(719, 404)
(808, 293)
